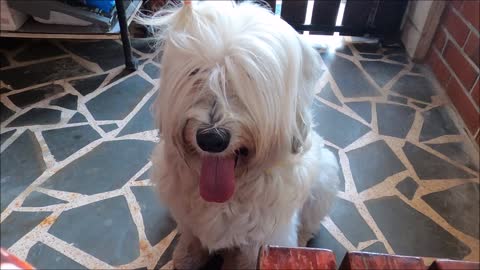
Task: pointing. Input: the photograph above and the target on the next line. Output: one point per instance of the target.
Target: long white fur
(254, 75)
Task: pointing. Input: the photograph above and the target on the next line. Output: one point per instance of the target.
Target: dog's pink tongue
(217, 179)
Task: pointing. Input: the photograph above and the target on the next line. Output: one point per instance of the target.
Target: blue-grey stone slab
(142, 121)
(459, 206)
(341, 185)
(417, 68)
(428, 167)
(402, 225)
(416, 87)
(4, 136)
(36, 50)
(394, 120)
(350, 79)
(104, 229)
(397, 99)
(107, 54)
(381, 72)
(331, 124)
(372, 163)
(36, 116)
(390, 51)
(156, 217)
(26, 98)
(168, 253)
(456, 151)
(367, 47)
(377, 247)
(347, 218)
(144, 176)
(21, 164)
(437, 123)
(400, 58)
(68, 101)
(63, 142)
(17, 224)
(88, 85)
(345, 50)
(407, 187)
(77, 118)
(324, 239)
(45, 257)
(107, 167)
(145, 45)
(328, 94)
(371, 56)
(5, 112)
(38, 199)
(152, 70)
(108, 127)
(123, 73)
(119, 100)
(362, 109)
(23, 76)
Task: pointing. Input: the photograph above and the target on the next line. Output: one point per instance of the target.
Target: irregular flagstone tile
(394, 120)
(21, 77)
(362, 109)
(21, 164)
(38, 199)
(45, 257)
(377, 247)
(158, 57)
(152, 70)
(107, 54)
(401, 58)
(372, 163)
(109, 127)
(403, 226)
(341, 185)
(38, 50)
(68, 101)
(119, 100)
(63, 142)
(397, 99)
(323, 239)
(156, 217)
(437, 122)
(367, 47)
(331, 125)
(345, 50)
(350, 79)
(17, 224)
(5, 112)
(88, 85)
(381, 72)
(77, 118)
(145, 45)
(35, 95)
(123, 73)
(407, 187)
(36, 116)
(167, 254)
(346, 216)
(328, 94)
(419, 105)
(371, 56)
(417, 68)
(456, 151)
(428, 167)
(144, 176)
(391, 51)
(4, 90)
(104, 229)
(4, 136)
(416, 87)
(107, 167)
(459, 206)
(3, 61)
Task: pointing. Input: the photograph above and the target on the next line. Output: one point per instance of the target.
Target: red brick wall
(454, 59)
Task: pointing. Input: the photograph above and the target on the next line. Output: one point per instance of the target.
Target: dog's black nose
(213, 140)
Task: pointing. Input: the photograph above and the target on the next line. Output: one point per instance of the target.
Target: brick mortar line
(449, 37)
(452, 74)
(465, 21)
(475, 83)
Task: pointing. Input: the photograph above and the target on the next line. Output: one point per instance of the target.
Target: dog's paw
(188, 258)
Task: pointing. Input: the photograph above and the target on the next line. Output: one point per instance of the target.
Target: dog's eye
(195, 71)
(243, 151)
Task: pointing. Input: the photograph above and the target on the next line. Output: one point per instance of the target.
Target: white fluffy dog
(238, 163)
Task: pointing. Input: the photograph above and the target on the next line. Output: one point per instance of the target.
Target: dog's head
(235, 89)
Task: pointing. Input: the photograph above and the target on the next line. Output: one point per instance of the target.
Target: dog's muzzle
(213, 140)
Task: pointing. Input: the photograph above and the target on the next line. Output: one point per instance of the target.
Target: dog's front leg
(189, 253)
(244, 257)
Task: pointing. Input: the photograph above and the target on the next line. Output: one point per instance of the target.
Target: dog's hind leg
(188, 253)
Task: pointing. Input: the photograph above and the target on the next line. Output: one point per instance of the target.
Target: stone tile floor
(76, 135)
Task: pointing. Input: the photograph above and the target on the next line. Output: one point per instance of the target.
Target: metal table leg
(130, 63)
